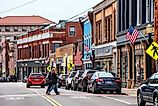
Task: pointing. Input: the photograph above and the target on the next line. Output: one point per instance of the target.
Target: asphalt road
(16, 94)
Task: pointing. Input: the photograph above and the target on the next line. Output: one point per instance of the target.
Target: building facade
(10, 27)
(65, 57)
(134, 65)
(87, 41)
(104, 32)
(35, 49)
(73, 32)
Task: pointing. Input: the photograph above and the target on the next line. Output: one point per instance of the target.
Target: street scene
(79, 53)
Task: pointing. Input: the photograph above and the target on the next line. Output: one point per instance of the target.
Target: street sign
(70, 66)
(49, 68)
(13, 72)
(153, 50)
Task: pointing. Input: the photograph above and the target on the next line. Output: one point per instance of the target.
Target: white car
(69, 79)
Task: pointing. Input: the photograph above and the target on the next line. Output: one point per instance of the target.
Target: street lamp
(66, 56)
(149, 30)
(93, 54)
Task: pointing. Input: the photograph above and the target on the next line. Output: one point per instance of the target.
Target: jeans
(51, 87)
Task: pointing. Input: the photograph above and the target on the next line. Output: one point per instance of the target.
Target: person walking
(52, 79)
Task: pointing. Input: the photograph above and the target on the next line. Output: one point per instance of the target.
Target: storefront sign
(103, 51)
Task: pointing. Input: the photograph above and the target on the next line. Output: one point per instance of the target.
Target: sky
(53, 10)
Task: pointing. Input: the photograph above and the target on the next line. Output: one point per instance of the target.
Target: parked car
(76, 79)
(83, 82)
(104, 81)
(62, 80)
(12, 78)
(69, 79)
(25, 79)
(148, 91)
(36, 79)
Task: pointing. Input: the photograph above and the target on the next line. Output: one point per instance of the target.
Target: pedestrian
(52, 82)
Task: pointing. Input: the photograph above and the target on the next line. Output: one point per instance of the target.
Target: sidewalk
(130, 92)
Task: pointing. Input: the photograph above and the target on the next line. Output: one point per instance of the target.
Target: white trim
(25, 46)
(19, 47)
(45, 42)
(107, 44)
(57, 41)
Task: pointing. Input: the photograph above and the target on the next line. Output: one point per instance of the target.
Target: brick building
(134, 65)
(35, 49)
(10, 27)
(104, 32)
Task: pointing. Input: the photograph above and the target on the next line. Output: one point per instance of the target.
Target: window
(55, 45)
(7, 29)
(15, 29)
(98, 31)
(108, 28)
(72, 31)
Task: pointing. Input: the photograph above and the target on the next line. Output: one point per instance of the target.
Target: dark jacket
(52, 77)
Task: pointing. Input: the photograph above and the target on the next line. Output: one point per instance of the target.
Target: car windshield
(34, 75)
(80, 74)
(64, 76)
(73, 74)
(105, 74)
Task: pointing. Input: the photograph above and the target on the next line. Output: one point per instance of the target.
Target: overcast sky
(51, 9)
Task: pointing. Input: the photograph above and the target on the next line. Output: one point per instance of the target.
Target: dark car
(62, 80)
(69, 79)
(12, 78)
(104, 81)
(148, 91)
(83, 82)
(36, 79)
(76, 79)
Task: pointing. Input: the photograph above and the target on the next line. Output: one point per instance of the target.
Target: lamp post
(93, 54)
(66, 63)
(149, 30)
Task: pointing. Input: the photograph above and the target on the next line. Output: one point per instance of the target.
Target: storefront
(105, 57)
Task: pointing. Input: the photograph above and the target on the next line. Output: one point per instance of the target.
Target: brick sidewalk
(130, 92)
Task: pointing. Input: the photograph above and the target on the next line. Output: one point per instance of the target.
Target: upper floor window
(55, 46)
(72, 31)
(24, 29)
(15, 29)
(98, 31)
(7, 29)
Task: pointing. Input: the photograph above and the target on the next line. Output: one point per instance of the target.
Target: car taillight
(99, 80)
(118, 80)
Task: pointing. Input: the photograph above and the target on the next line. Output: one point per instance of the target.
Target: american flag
(86, 48)
(132, 34)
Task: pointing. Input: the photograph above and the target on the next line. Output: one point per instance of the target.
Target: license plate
(109, 82)
(36, 79)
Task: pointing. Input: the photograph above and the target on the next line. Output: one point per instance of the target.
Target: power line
(17, 7)
(79, 14)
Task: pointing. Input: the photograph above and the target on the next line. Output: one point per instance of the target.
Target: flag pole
(144, 37)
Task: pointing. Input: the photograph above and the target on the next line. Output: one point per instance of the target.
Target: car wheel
(94, 88)
(140, 100)
(155, 101)
(27, 86)
(88, 89)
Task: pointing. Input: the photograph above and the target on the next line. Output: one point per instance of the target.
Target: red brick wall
(78, 30)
